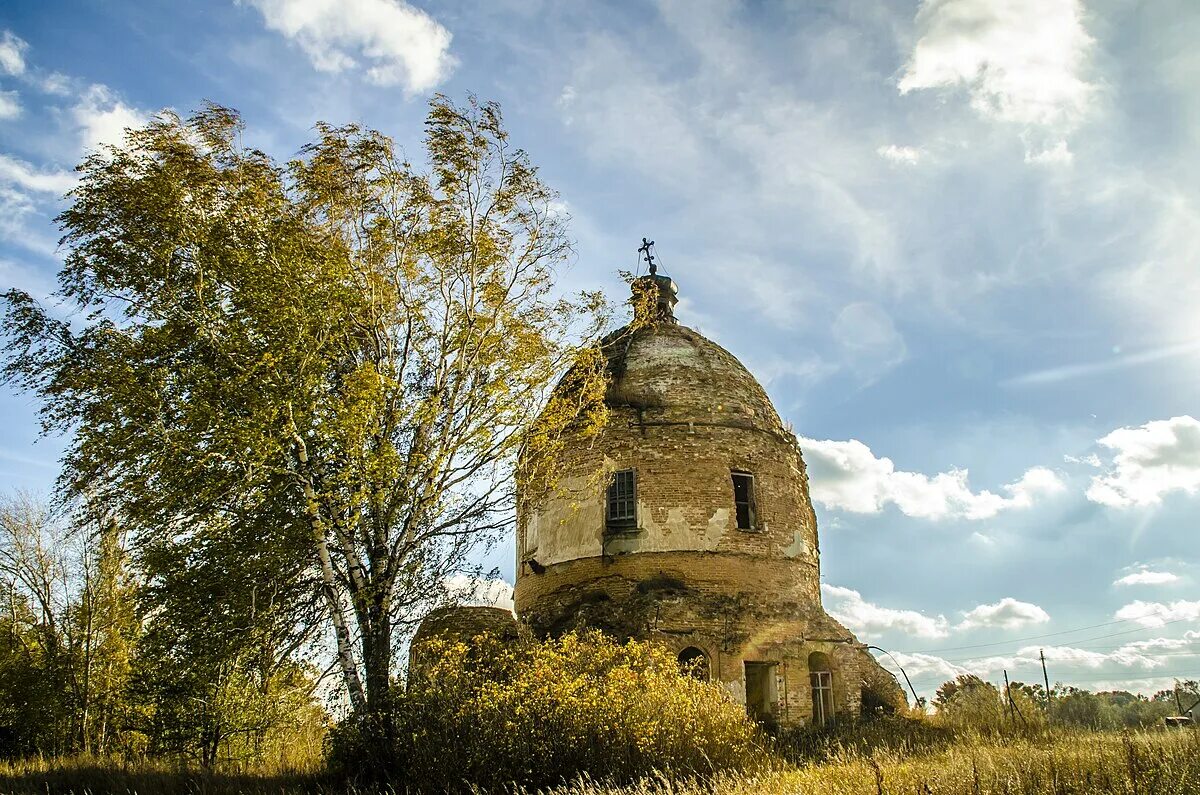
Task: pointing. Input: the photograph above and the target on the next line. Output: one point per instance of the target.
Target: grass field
(1149, 763)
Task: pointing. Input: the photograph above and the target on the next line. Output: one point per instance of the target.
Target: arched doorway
(820, 677)
(694, 662)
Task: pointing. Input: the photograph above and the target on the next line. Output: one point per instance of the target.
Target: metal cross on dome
(645, 249)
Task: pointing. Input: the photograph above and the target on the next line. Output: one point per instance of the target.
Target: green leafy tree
(344, 352)
(71, 628)
(969, 702)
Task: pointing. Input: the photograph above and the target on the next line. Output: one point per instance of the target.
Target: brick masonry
(684, 415)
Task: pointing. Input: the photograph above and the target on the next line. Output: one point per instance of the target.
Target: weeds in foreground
(1058, 763)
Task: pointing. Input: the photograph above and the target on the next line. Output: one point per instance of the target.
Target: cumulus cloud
(865, 618)
(1146, 576)
(484, 591)
(1150, 461)
(101, 118)
(928, 670)
(846, 475)
(22, 174)
(10, 105)
(1019, 60)
(396, 43)
(12, 54)
(1155, 614)
(1008, 613)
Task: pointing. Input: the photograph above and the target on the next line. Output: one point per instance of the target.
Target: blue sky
(957, 240)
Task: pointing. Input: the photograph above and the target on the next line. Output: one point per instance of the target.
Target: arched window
(694, 662)
(820, 676)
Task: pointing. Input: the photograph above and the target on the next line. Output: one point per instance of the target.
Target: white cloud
(1155, 614)
(56, 83)
(865, 618)
(400, 44)
(1008, 613)
(1147, 577)
(1119, 361)
(12, 54)
(16, 211)
(1091, 460)
(1058, 154)
(486, 592)
(848, 476)
(10, 105)
(101, 118)
(22, 174)
(1151, 460)
(904, 155)
(1020, 60)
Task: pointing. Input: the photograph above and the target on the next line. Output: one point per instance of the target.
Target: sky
(958, 241)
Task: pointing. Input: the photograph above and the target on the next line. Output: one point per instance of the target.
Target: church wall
(684, 414)
(685, 494)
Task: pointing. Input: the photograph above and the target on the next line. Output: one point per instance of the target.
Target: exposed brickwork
(685, 415)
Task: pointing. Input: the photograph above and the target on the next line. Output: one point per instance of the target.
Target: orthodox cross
(645, 249)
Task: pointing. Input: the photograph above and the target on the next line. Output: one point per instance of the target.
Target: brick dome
(688, 519)
(673, 374)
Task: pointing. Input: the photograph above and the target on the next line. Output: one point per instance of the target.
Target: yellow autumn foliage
(539, 713)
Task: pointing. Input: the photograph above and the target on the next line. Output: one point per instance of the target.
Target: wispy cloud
(1119, 361)
(1155, 614)
(12, 53)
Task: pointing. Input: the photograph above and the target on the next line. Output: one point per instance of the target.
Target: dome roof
(672, 374)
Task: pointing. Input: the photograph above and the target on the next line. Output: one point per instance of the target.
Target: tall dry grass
(1058, 763)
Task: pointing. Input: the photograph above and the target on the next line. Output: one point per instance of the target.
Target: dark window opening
(622, 500)
(743, 500)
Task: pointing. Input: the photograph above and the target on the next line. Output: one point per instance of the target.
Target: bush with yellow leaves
(491, 713)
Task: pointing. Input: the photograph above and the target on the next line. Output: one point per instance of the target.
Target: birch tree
(344, 352)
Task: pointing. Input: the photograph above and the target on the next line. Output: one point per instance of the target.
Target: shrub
(490, 713)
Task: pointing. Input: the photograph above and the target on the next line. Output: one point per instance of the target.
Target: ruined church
(688, 520)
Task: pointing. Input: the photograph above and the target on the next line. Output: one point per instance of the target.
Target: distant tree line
(97, 660)
(970, 702)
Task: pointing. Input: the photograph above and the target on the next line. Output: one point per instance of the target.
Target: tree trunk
(377, 657)
(345, 649)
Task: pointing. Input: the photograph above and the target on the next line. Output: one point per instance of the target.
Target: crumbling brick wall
(685, 415)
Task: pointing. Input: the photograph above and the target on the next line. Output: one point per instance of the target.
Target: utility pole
(1046, 679)
(1008, 702)
(1012, 704)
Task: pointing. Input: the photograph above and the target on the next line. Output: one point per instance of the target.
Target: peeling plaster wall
(685, 414)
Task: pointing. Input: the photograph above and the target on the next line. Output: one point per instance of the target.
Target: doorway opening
(821, 679)
(761, 691)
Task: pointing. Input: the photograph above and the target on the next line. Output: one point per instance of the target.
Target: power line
(1049, 635)
(1091, 678)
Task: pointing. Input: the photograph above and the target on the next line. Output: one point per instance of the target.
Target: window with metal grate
(622, 500)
